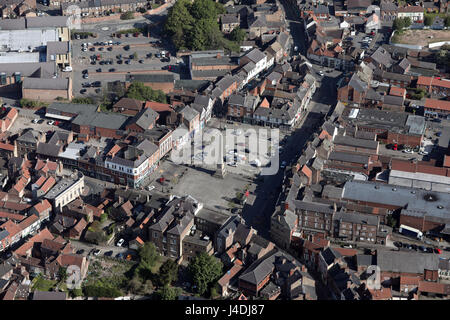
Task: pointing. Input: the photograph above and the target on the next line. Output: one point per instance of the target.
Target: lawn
(42, 284)
(422, 37)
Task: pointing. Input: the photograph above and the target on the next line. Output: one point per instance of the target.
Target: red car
(395, 148)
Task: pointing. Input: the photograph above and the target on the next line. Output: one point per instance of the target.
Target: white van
(67, 69)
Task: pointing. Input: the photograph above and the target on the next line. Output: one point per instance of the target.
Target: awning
(57, 116)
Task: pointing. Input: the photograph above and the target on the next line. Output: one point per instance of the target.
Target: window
(155, 235)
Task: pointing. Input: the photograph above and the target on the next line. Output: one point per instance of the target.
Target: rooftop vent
(430, 197)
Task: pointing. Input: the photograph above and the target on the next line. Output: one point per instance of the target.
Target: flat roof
(26, 40)
(19, 57)
(432, 202)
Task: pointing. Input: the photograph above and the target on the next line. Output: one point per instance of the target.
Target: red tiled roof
(383, 294)
(14, 205)
(139, 240)
(265, 103)
(11, 227)
(48, 184)
(409, 280)
(20, 184)
(28, 221)
(411, 9)
(434, 287)
(447, 161)
(307, 171)
(437, 104)
(229, 275)
(158, 106)
(430, 81)
(346, 252)
(42, 206)
(40, 181)
(395, 91)
(70, 259)
(11, 216)
(41, 236)
(6, 146)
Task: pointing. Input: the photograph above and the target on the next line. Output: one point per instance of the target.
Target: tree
(103, 217)
(62, 274)
(135, 56)
(407, 22)
(238, 35)
(137, 90)
(83, 100)
(206, 9)
(428, 21)
(149, 255)
(399, 24)
(205, 270)
(127, 16)
(447, 21)
(168, 272)
(168, 293)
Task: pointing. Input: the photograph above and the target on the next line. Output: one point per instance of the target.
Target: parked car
(99, 70)
(120, 242)
(82, 91)
(283, 164)
(112, 70)
(35, 120)
(408, 151)
(398, 244)
(438, 134)
(81, 251)
(150, 188)
(109, 253)
(51, 122)
(96, 252)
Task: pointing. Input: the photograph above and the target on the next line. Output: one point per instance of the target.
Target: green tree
(428, 21)
(168, 272)
(206, 9)
(83, 100)
(127, 16)
(205, 270)
(447, 21)
(168, 293)
(62, 274)
(137, 90)
(149, 256)
(238, 35)
(407, 22)
(103, 217)
(135, 56)
(399, 24)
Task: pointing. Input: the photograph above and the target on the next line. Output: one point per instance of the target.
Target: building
(434, 108)
(65, 191)
(173, 225)
(355, 226)
(434, 85)
(415, 13)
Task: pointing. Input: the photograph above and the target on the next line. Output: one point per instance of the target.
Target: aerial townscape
(224, 150)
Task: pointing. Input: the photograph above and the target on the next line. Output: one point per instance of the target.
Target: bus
(410, 232)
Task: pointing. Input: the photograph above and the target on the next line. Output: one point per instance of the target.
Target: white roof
(24, 40)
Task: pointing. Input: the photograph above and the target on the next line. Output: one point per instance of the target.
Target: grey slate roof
(354, 142)
(383, 57)
(313, 207)
(349, 157)
(46, 84)
(255, 55)
(145, 118)
(48, 149)
(393, 100)
(102, 120)
(189, 113)
(407, 262)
